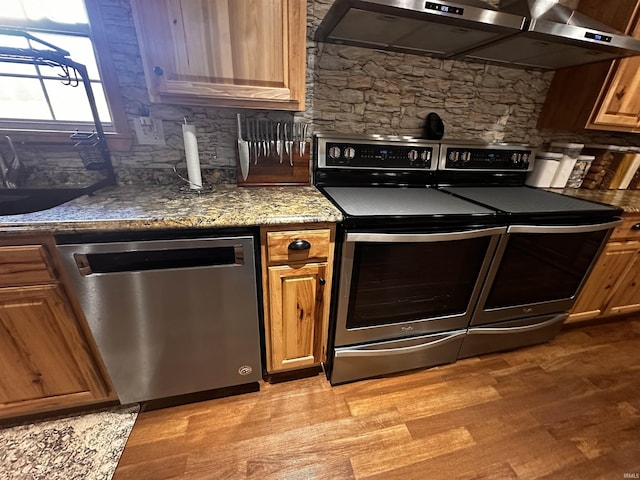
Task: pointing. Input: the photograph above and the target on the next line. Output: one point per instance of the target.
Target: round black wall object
(434, 127)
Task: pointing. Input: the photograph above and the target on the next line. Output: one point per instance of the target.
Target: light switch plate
(149, 131)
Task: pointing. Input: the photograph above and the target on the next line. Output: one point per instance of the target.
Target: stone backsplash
(349, 89)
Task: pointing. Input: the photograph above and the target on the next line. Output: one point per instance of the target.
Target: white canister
(545, 166)
(570, 153)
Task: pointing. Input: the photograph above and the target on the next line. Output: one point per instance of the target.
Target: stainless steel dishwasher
(170, 317)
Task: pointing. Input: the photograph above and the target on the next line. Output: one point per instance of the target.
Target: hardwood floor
(567, 409)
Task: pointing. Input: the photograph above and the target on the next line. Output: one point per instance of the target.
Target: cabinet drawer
(24, 265)
(278, 244)
(627, 230)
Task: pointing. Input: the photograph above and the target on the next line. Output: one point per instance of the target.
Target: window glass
(80, 48)
(38, 93)
(59, 11)
(22, 98)
(71, 104)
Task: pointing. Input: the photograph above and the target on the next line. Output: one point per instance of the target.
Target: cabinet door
(603, 281)
(44, 360)
(601, 95)
(626, 297)
(298, 316)
(621, 103)
(237, 53)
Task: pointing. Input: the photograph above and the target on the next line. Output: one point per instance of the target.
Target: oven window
(543, 267)
(400, 282)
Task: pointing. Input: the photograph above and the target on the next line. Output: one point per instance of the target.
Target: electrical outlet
(149, 131)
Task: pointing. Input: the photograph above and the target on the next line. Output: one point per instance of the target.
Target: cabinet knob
(636, 226)
(322, 281)
(158, 71)
(299, 245)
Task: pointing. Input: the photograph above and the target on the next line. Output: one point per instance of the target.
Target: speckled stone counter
(628, 200)
(137, 207)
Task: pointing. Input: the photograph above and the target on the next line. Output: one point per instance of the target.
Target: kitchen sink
(14, 201)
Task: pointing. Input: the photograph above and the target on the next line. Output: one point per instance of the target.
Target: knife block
(268, 171)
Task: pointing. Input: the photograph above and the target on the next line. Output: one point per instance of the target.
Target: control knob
(425, 155)
(334, 152)
(349, 153)
(413, 155)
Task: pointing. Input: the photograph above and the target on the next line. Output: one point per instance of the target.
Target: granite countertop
(138, 207)
(628, 200)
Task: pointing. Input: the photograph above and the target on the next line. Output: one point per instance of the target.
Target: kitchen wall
(349, 89)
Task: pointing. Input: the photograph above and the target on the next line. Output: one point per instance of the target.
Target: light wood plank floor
(569, 409)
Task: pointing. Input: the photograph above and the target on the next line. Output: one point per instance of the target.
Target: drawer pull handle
(636, 226)
(322, 281)
(299, 245)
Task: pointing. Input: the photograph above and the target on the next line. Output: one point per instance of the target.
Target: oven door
(397, 285)
(539, 270)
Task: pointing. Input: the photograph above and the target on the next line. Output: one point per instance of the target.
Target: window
(45, 101)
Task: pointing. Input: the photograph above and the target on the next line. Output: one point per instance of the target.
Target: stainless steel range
(427, 270)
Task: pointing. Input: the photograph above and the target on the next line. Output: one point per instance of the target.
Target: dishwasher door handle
(120, 259)
(84, 267)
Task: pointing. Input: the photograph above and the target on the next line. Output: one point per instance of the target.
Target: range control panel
(498, 157)
(377, 154)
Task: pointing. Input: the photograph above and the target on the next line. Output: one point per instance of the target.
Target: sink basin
(26, 200)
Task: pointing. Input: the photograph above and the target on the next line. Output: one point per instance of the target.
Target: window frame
(119, 137)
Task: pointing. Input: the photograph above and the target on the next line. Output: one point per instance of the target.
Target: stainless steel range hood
(539, 34)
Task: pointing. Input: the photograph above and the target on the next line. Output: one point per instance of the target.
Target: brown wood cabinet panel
(45, 362)
(297, 294)
(278, 245)
(237, 53)
(602, 95)
(628, 229)
(24, 265)
(626, 296)
(621, 101)
(297, 311)
(613, 263)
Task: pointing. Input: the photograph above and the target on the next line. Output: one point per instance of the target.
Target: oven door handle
(354, 352)
(563, 229)
(423, 237)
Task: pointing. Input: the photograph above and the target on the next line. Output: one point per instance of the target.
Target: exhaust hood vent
(540, 34)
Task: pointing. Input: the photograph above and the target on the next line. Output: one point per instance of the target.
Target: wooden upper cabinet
(603, 95)
(234, 53)
(621, 103)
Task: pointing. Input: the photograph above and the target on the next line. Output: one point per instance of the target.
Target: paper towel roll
(193, 159)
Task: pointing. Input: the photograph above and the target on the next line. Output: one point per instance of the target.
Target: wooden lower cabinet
(297, 287)
(297, 316)
(626, 295)
(46, 360)
(612, 287)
